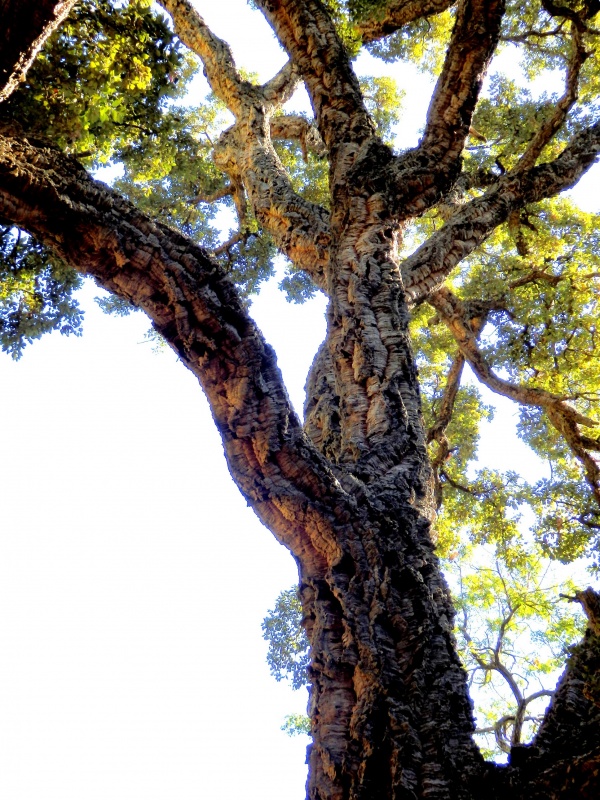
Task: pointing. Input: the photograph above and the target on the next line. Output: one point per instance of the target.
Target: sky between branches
(133, 579)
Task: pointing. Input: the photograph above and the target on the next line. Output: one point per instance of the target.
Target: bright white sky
(133, 578)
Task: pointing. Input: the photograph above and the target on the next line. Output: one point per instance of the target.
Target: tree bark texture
(24, 27)
(350, 492)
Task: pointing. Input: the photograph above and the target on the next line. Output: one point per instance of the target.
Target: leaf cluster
(36, 293)
(287, 656)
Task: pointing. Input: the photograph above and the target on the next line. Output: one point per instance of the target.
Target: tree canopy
(450, 265)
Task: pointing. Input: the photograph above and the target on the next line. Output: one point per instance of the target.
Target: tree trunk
(351, 493)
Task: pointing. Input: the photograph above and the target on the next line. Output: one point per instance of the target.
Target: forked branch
(563, 417)
(305, 30)
(195, 306)
(427, 268)
(245, 153)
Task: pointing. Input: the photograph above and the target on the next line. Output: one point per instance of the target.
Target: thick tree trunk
(389, 701)
(351, 493)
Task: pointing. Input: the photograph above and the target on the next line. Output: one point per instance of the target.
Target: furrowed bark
(398, 14)
(389, 694)
(245, 153)
(196, 308)
(351, 497)
(25, 27)
(414, 181)
(426, 269)
(308, 34)
(472, 44)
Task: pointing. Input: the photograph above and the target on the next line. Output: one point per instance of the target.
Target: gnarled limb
(474, 39)
(397, 14)
(195, 307)
(219, 194)
(377, 609)
(296, 128)
(578, 17)
(219, 65)
(299, 228)
(564, 418)
(308, 34)
(25, 27)
(417, 179)
(430, 264)
(245, 152)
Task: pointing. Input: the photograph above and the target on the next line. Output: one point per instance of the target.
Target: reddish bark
(350, 493)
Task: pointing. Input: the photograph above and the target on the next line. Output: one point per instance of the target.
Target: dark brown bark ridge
(351, 493)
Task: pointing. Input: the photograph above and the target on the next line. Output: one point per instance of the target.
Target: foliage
(296, 724)
(422, 43)
(513, 628)
(102, 79)
(287, 656)
(36, 293)
(111, 86)
(541, 325)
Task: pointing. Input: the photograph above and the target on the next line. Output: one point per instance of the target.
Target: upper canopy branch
(424, 174)
(195, 306)
(299, 228)
(397, 14)
(282, 86)
(548, 128)
(296, 128)
(308, 34)
(245, 153)
(219, 65)
(564, 418)
(431, 263)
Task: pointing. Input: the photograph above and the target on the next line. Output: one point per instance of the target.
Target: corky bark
(24, 28)
(350, 493)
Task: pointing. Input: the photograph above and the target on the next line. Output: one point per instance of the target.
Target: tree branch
(474, 39)
(224, 191)
(299, 228)
(26, 25)
(398, 14)
(216, 55)
(564, 418)
(245, 152)
(195, 307)
(437, 432)
(305, 30)
(418, 178)
(430, 264)
(547, 130)
(293, 127)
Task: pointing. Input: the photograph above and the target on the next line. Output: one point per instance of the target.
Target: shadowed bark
(350, 493)
(25, 27)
